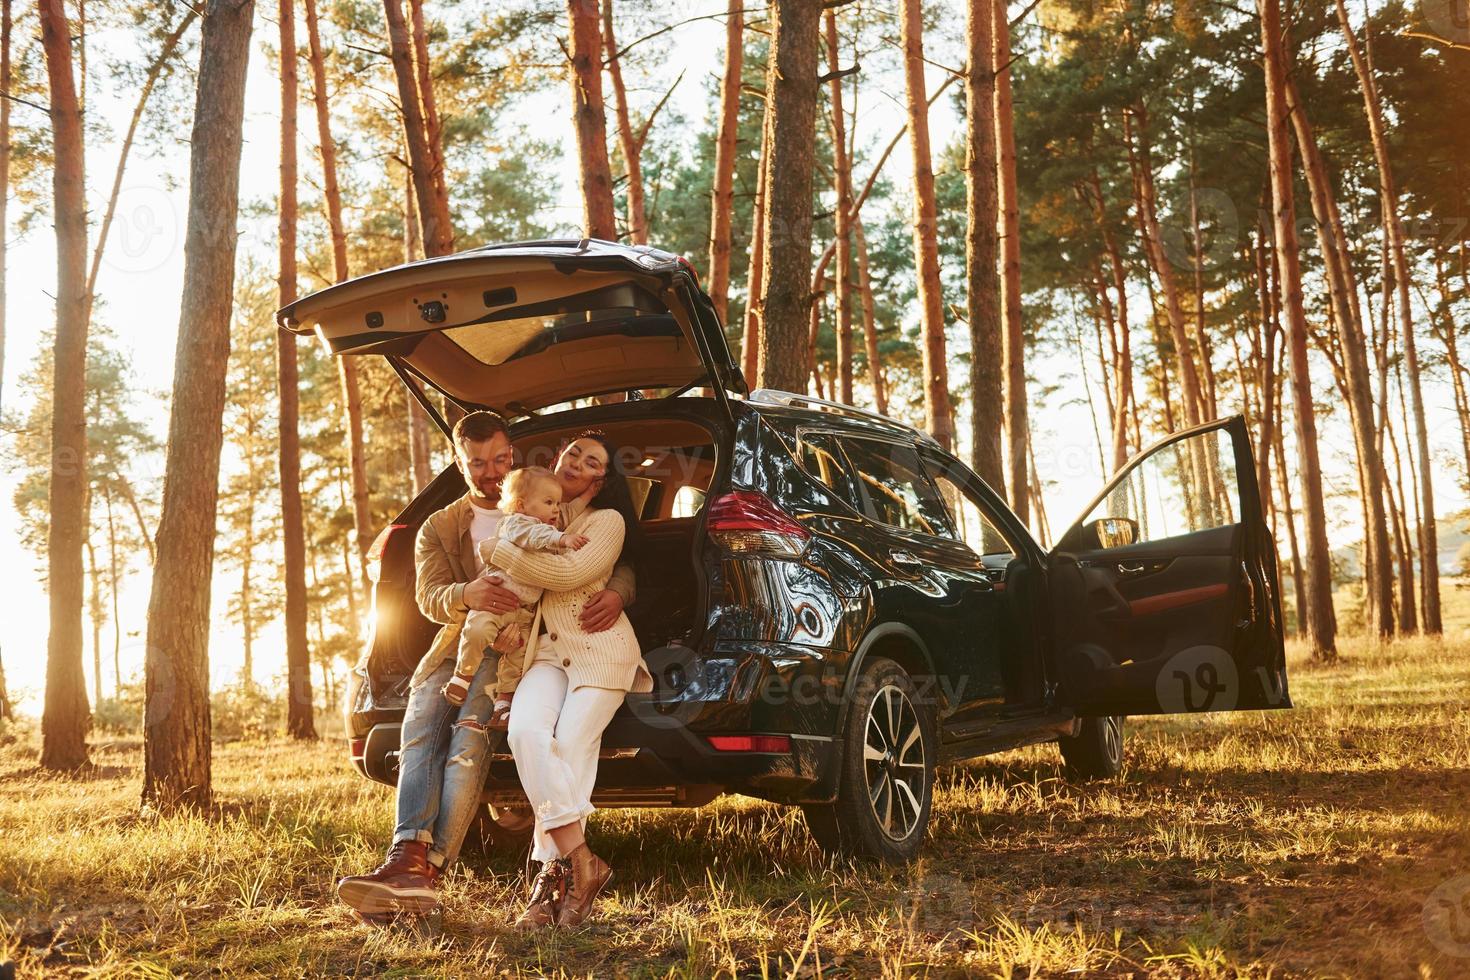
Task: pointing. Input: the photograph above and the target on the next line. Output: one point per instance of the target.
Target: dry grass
(1292, 843)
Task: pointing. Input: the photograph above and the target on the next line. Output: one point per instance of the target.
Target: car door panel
(1185, 621)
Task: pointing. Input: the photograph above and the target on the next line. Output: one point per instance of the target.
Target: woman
(574, 680)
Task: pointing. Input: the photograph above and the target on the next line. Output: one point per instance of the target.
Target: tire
(497, 831)
(886, 783)
(1096, 751)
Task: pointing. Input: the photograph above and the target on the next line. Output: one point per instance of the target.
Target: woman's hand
(601, 611)
(488, 595)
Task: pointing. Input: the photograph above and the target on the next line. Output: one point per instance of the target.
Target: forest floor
(1330, 840)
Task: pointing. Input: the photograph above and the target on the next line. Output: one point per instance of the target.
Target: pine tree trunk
(94, 617)
(723, 199)
(982, 219)
(1394, 231)
(842, 171)
(870, 316)
(1014, 337)
(750, 339)
(1123, 367)
(1342, 289)
(176, 747)
(421, 469)
(346, 366)
(926, 229)
(1267, 292)
(791, 88)
(1320, 621)
(627, 138)
(1143, 178)
(433, 200)
(288, 383)
(5, 26)
(112, 577)
(64, 719)
(1209, 402)
(433, 129)
(599, 219)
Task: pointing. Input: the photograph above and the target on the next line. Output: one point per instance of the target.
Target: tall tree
(433, 197)
(347, 370)
(5, 25)
(176, 746)
(599, 218)
(1393, 229)
(723, 198)
(1014, 346)
(64, 720)
(627, 138)
(842, 172)
(299, 723)
(791, 119)
(750, 342)
(1321, 625)
(938, 412)
(982, 218)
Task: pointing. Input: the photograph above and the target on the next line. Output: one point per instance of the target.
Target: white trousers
(555, 735)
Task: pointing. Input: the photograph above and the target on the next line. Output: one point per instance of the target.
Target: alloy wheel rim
(894, 763)
(1113, 738)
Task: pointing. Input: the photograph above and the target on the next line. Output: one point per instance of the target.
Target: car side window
(897, 491)
(1182, 488)
(972, 525)
(821, 458)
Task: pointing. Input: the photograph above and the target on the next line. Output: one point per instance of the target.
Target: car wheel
(1096, 751)
(886, 784)
(499, 830)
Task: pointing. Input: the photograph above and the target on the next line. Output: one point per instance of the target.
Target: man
(441, 766)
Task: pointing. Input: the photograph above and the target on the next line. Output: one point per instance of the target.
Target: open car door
(514, 328)
(1165, 594)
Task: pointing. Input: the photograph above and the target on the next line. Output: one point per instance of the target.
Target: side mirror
(1114, 532)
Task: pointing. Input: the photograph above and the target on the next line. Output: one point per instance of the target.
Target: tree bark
(723, 209)
(418, 419)
(1123, 367)
(842, 167)
(791, 87)
(926, 229)
(599, 219)
(982, 219)
(433, 128)
(1342, 289)
(1394, 231)
(112, 575)
(1014, 348)
(64, 719)
(176, 747)
(627, 138)
(299, 722)
(870, 316)
(433, 198)
(346, 366)
(1321, 625)
(750, 340)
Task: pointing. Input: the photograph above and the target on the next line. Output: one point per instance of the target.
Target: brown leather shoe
(546, 895)
(590, 874)
(405, 882)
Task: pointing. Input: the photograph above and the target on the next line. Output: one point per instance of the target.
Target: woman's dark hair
(617, 495)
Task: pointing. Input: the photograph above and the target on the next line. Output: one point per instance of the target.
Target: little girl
(530, 500)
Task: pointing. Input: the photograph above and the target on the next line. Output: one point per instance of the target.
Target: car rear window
(895, 488)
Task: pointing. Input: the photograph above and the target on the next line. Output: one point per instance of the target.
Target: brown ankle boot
(405, 882)
(547, 891)
(590, 874)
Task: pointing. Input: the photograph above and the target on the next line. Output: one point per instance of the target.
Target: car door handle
(905, 558)
(1131, 568)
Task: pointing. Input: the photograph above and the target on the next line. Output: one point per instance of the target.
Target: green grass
(1279, 844)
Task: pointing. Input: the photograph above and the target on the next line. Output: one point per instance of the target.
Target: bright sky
(141, 280)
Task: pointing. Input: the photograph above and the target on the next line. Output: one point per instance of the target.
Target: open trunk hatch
(518, 327)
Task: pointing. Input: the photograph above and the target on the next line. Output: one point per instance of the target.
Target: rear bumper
(656, 751)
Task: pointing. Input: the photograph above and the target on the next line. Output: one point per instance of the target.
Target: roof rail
(772, 396)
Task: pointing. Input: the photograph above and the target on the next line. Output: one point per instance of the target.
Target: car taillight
(374, 560)
(748, 523)
(750, 743)
(358, 747)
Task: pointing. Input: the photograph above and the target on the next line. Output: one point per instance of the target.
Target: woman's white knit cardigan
(610, 658)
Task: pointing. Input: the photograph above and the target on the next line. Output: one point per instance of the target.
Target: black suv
(830, 603)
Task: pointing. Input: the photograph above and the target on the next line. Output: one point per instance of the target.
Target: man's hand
(488, 595)
(509, 640)
(601, 611)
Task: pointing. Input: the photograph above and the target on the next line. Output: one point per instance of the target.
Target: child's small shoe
(456, 691)
(499, 717)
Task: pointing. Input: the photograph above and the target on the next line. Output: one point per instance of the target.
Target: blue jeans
(441, 766)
